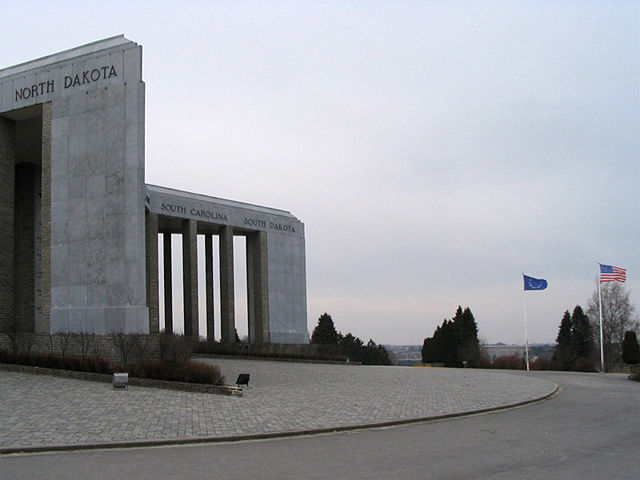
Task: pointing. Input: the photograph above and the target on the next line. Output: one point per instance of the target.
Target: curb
(267, 436)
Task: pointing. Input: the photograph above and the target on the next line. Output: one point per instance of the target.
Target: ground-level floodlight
(120, 380)
(243, 379)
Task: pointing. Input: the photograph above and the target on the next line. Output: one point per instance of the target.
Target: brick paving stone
(39, 410)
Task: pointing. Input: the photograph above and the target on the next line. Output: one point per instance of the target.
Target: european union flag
(531, 283)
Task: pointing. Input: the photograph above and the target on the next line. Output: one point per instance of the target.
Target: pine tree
(581, 333)
(429, 350)
(453, 342)
(565, 353)
(325, 332)
(434, 349)
(447, 344)
(468, 345)
(630, 348)
(351, 347)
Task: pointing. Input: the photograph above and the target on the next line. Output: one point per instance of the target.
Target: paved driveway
(41, 411)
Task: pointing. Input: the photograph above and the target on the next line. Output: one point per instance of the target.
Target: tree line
(618, 321)
(574, 343)
(578, 339)
(455, 342)
(352, 347)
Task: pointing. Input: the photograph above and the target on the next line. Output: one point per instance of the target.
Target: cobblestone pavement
(42, 411)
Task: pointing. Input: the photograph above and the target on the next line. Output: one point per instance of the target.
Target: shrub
(584, 364)
(635, 374)
(482, 362)
(630, 348)
(540, 364)
(196, 372)
(192, 372)
(176, 349)
(509, 363)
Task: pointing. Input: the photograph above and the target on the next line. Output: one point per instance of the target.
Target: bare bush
(85, 341)
(176, 349)
(64, 340)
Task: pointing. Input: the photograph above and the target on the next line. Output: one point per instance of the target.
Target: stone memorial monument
(80, 228)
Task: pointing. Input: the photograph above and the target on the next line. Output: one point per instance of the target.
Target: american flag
(609, 273)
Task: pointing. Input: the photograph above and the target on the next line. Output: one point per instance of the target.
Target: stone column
(151, 233)
(190, 277)
(257, 287)
(208, 250)
(227, 306)
(7, 221)
(168, 283)
(43, 314)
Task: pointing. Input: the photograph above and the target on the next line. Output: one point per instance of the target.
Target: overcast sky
(434, 150)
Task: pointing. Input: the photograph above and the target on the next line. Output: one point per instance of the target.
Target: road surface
(590, 430)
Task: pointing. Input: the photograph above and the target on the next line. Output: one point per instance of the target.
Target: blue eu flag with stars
(531, 283)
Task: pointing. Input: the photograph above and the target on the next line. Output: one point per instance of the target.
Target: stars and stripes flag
(609, 273)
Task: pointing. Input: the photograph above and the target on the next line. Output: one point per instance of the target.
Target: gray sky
(434, 150)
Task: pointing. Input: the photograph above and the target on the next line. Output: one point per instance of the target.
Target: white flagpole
(526, 334)
(600, 308)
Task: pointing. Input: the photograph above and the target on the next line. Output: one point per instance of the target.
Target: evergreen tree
(565, 353)
(429, 350)
(447, 345)
(630, 348)
(454, 341)
(351, 347)
(581, 333)
(468, 345)
(356, 351)
(325, 332)
(383, 356)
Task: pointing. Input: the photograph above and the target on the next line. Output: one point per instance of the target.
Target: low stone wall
(623, 368)
(123, 348)
(273, 350)
(140, 382)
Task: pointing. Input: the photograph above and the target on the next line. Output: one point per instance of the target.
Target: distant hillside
(404, 355)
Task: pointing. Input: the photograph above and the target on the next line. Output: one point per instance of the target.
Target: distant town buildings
(409, 355)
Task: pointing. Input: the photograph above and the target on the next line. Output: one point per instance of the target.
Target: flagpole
(600, 308)
(526, 333)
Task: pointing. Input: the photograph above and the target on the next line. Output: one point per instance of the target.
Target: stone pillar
(227, 305)
(168, 283)
(208, 251)
(257, 287)
(190, 277)
(151, 233)
(7, 221)
(43, 316)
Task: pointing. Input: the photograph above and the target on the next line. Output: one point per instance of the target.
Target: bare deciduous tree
(617, 317)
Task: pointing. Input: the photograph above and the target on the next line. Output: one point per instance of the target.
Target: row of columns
(256, 281)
